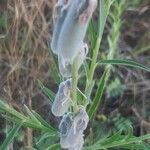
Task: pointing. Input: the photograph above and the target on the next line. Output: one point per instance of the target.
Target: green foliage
(47, 91)
(32, 120)
(45, 140)
(129, 63)
(3, 20)
(115, 88)
(99, 92)
(135, 2)
(113, 38)
(121, 140)
(10, 136)
(121, 123)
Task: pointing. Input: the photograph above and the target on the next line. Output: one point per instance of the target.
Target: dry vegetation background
(25, 33)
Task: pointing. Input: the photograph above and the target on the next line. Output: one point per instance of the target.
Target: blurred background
(26, 60)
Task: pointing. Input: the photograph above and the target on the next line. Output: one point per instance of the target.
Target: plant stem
(74, 83)
(92, 68)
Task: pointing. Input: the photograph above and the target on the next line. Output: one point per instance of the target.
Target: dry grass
(24, 55)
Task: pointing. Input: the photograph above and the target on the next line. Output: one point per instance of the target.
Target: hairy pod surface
(79, 146)
(74, 28)
(65, 66)
(59, 15)
(79, 124)
(64, 127)
(62, 100)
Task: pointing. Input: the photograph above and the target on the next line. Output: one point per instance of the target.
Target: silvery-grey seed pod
(64, 127)
(79, 124)
(62, 99)
(81, 120)
(65, 124)
(79, 146)
(74, 28)
(64, 67)
(59, 15)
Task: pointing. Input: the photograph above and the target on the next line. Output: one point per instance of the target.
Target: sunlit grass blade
(47, 92)
(104, 11)
(104, 7)
(10, 137)
(92, 34)
(43, 121)
(31, 115)
(16, 117)
(99, 93)
(120, 141)
(42, 138)
(128, 62)
(54, 147)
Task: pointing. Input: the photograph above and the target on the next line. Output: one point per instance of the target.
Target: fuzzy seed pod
(74, 28)
(79, 146)
(79, 124)
(59, 15)
(65, 66)
(64, 127)
(62, 100)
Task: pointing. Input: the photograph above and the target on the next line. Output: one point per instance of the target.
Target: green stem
(74, 83)
(102, 22)
(92, 68)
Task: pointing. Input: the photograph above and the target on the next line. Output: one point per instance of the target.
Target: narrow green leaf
(99, 93)
(10, 137)
(54, 147)
(122, 142)
(92, 34)
(43, 121)
(104, 11)
(129, 63)
(43, 137)
(17, 117)
(104, 7)
(47, 92)
(32, 116)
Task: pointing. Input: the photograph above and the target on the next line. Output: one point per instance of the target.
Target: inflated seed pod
(65, 66)
(74, 28)
(79, 146)
(59, 15)
(65, 124)
(62, 100)
(64, 127)
(79, 124)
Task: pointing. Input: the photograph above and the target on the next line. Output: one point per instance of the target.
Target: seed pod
(62, 100)
(65, 124)
(74, 28)
(79, 145)
(64, 127)
(59, 15)
(65, 66)
(79, 124)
